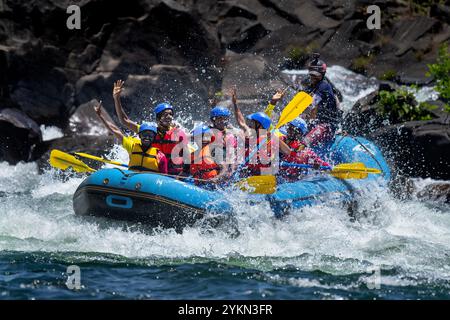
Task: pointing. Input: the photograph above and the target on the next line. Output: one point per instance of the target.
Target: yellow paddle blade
(355, 167)
(298, 104)
(63, 161)
(88, 156)
(258, 184)
(349, 175)
(356, 170)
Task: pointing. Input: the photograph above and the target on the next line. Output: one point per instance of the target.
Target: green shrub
(297, 56)
(422, 7)
(401, 106)
(361, 64)
(441, 73)
(389, 75)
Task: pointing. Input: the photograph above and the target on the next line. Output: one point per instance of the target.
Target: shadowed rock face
(183, 51)
(19, 136)
(435, 192)
(415, 148)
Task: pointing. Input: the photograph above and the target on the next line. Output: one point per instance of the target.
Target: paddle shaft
(303, 166)
(88, 156)
(327, 168)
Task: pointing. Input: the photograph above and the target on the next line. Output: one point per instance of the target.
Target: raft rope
(345, 133)
(162, 174)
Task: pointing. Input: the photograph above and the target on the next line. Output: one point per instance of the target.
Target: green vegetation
(297, 56)
(422, 7)
(361, 64)
(400, 106)
(389, 75)
(440, 71)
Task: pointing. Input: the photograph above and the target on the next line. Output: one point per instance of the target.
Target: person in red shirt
(295, 131)
(257, 131)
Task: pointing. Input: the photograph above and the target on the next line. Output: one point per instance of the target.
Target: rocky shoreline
(184, 51)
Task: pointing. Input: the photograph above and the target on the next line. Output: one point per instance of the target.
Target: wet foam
(37, 215)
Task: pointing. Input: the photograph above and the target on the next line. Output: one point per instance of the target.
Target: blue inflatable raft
(162, 201)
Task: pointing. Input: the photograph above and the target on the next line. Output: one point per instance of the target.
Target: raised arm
(123, 118)
(110, 126)
(238, 114)
(275, 98)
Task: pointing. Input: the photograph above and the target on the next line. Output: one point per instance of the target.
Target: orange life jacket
(203, 166)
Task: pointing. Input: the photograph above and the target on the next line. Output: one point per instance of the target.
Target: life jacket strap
(144, 154)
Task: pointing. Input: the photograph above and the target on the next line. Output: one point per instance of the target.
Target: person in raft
(144, 156)
(168, 136)
(323, 115)
(295, 131)
(257, 130)
(203, 168)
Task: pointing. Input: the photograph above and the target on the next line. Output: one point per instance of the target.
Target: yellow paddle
(258, 184)
(63, 161)
(356, 170)
(298, 104)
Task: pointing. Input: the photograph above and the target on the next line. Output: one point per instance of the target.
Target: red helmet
(317, 66)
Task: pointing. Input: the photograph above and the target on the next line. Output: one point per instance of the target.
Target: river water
(396, 249)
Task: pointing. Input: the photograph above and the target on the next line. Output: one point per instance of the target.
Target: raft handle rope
(162, 174)
(345, 133)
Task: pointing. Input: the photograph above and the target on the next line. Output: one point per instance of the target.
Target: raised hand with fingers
(117, 90)
(123, 118)
(277, 96)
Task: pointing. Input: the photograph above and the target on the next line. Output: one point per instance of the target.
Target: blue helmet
(299, 123)
(283, 130)
(262, 118)
(161, 107)
(219, 111)
(148, 127)
(200, 130)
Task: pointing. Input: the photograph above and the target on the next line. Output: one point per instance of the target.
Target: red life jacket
(203, 166)
(300, 155)
(166, 143)
(261, 159)
(295, 145)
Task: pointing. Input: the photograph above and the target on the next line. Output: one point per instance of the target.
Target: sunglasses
(166, 114)
(148, 135)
